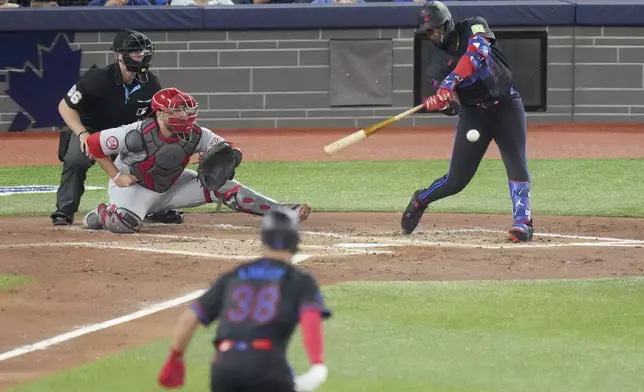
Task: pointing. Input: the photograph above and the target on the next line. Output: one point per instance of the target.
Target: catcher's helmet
(433, 15)
(280, 229)
(181, 108)
(129, 42)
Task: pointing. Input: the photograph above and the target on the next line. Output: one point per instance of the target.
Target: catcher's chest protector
(165, 160)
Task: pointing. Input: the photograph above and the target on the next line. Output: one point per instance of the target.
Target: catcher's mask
(280, 229)
(136, 50)
(179, 109)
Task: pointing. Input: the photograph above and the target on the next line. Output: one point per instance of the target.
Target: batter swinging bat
(365, 133)
(454, 105)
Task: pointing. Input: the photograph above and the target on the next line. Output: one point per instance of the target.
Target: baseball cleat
(304, 210)
(168, 217)
(521, 231)
(60, 219)
(95, 220)
(414, 211)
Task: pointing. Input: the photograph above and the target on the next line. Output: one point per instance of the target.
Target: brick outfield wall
(253, 79)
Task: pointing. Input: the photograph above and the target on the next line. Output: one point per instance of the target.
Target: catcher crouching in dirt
(149, 173)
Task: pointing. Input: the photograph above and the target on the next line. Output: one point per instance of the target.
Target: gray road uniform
(159, 165)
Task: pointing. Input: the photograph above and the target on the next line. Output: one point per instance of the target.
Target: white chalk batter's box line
(609, 241)
(359, 246)
(361, 243)
(116, 245)
(247, 228)
(382, 242)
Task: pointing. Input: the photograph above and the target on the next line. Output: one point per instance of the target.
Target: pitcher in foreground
(258, 305)
(150, 175)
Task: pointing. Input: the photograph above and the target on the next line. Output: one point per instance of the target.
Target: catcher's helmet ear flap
(280, 229)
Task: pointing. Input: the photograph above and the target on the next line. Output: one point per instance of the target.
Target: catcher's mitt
(217, 165)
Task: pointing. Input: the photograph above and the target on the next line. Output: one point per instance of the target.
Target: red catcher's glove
(173, 372)
(439, 101)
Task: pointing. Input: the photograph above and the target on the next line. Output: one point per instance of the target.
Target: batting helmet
(130, 42)
(433, 15)
(280, 229)
(182, 109)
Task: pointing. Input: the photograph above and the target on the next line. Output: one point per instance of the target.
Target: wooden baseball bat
(365, 133)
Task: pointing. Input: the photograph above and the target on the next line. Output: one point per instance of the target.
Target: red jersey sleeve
(110, 141)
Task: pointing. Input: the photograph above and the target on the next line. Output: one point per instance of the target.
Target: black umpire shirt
(104, 101)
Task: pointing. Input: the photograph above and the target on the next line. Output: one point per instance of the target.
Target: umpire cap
(280, 229)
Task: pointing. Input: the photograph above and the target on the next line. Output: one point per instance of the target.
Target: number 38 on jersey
(253, 304)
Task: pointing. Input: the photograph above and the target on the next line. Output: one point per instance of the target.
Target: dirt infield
(90, 277)
(544, 142)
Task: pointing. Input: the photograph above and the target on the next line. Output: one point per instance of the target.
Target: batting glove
(312, 379)
(173, 372)
(439, 101)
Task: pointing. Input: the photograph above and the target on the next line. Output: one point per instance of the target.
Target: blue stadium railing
(306, 16)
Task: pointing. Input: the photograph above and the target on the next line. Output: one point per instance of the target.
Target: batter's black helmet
(130, 41)
(280, 229)
(433, 15)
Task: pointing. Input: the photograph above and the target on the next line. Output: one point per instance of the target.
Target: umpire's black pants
(505, 123)
(72, 181)
(251, 374)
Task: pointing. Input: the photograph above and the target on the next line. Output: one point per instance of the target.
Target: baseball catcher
(467, 62)
(149, 174)
(96, 102)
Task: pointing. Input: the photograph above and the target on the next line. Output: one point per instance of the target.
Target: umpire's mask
(137, 50)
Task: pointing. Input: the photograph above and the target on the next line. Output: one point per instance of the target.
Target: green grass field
(509, 336)
(493, 336)
(10, 281)
(560, 187)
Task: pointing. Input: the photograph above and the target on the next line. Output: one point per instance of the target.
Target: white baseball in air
(472, 135)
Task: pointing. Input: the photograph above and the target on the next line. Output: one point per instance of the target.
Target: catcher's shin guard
(522, 230)
(95, 220)
(414, 211)
(239, 197)
(121, 220)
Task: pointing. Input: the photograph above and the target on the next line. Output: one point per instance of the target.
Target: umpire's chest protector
(165, 158)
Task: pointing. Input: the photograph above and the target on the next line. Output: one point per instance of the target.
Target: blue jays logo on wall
(40, 66)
